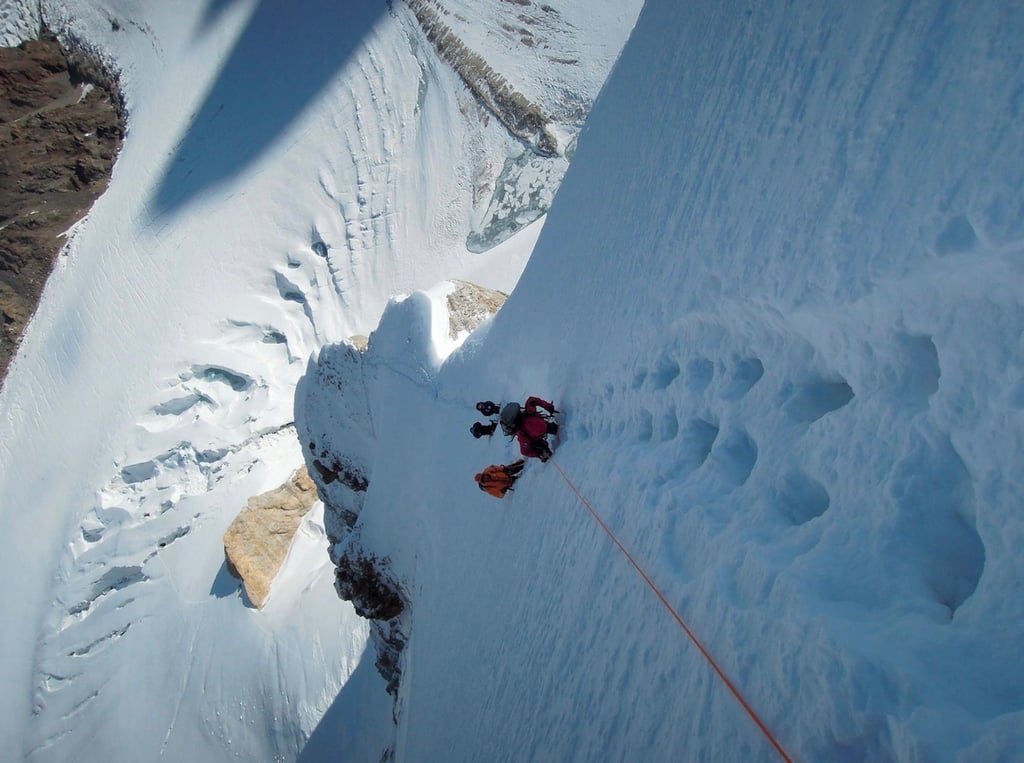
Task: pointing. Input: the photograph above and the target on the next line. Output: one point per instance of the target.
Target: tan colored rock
(257, 541)
(470, 305)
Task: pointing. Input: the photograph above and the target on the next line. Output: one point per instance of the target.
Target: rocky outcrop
(470, 305)
(362, 579)
(338, 454)
(61, 127)
(366, 581)
(389, 638)
(359, 341)
(521, 117)
(257, 542)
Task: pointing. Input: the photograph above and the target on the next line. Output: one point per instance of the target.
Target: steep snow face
(286, 172)
(784, 325)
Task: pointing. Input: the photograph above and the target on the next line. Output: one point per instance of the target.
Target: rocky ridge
(521, 116)
(61, 128)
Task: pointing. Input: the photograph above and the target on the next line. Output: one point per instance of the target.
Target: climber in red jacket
(531, 424)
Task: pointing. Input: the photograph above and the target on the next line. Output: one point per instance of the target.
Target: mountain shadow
(285, 57)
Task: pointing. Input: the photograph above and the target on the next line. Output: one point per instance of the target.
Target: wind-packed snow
(286, 171)
(779, 301)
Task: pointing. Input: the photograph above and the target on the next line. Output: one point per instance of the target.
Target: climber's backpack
(509, 418)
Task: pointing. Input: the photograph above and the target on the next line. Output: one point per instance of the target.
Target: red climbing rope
(678, 618)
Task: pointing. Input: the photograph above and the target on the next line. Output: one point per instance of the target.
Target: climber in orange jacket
(498, 479)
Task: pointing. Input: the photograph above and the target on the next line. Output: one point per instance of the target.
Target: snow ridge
(159, 372)
(783, 323)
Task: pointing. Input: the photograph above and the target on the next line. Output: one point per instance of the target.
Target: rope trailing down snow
(678, 618)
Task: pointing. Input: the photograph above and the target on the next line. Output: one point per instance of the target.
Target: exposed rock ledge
(521, 117)
(470, 305)
(257, 542)
(61, 127)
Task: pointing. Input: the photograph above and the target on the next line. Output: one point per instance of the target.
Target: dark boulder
(363, 580)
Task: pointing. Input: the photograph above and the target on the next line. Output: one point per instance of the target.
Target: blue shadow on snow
(225, 584)
(214, 8)
(283, 59)
(358, 724)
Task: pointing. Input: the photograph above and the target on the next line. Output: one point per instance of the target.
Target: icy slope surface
(784, 324)
(285, 173)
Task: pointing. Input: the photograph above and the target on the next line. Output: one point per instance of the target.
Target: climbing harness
(678, 618)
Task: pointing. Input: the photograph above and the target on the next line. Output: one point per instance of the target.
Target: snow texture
(19, 21)
(286, 172)
(778, 299)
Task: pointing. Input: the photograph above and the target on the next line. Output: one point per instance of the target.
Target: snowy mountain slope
(783, 324)
(153, 392)
(566, 39)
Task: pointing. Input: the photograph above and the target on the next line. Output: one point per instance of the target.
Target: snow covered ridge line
(337, 408)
